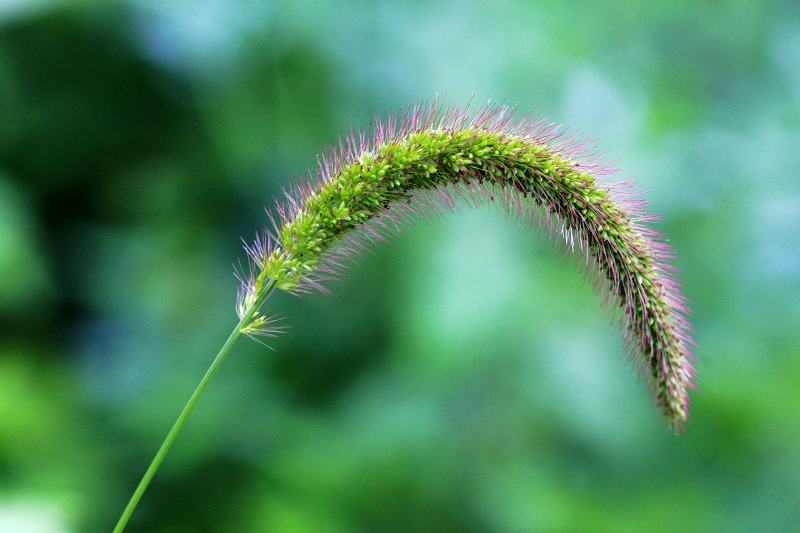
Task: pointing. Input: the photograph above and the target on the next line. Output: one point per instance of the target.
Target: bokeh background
(461, 378)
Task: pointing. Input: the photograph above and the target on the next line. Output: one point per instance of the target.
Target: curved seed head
(432, 159)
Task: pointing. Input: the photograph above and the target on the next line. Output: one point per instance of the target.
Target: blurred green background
(462, 378)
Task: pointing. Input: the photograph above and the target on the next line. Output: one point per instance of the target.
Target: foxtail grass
(433, 159)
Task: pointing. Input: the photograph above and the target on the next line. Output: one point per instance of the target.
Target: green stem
(187, 409)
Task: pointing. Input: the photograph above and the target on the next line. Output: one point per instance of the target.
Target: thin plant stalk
(188, 408)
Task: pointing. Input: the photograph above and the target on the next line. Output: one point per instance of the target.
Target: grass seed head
(431, 159)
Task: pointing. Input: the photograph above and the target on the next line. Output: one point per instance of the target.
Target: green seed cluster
(430, 159)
